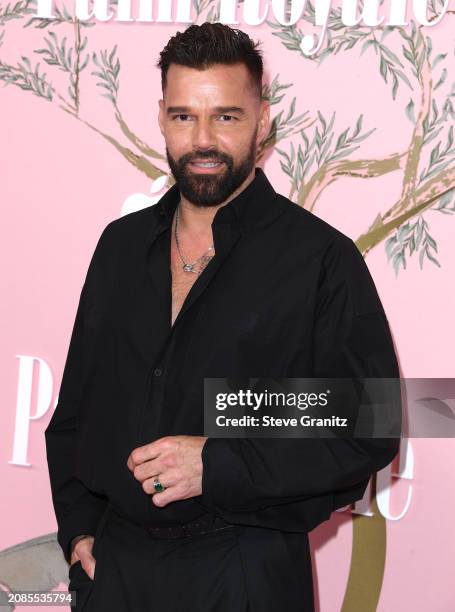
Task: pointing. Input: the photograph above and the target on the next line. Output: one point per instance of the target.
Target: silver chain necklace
(204, 259)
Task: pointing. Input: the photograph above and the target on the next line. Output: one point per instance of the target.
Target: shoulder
(312, 232)
(342, 269)
(128, 228)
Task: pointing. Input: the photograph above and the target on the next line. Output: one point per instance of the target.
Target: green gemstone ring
(158, 486)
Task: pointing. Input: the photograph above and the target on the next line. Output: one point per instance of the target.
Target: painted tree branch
(138, 161)
(428, 193)
(329, 172)
(132, 137)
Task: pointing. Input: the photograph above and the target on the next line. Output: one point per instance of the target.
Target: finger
(166, 479)
(88, 563)
(141, 454)
(149, 469)
(166, 497)
(149, 451)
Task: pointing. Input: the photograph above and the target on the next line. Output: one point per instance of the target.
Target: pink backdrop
(63, 182)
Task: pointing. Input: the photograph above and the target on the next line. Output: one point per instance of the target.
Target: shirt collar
(255, 205)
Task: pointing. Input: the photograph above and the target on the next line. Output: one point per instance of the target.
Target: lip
(205, 170)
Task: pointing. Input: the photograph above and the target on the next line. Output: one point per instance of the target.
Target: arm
(284, 483)
(77, 509)
(75, 540)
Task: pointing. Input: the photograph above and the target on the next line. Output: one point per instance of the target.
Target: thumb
(88, 563)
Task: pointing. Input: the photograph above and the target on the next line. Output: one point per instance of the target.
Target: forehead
(218, 84)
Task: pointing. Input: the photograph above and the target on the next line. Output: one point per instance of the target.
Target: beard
(211, 189)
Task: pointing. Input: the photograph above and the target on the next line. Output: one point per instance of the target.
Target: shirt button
(158, 371)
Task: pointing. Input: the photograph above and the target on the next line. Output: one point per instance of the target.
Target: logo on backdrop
(253, 13)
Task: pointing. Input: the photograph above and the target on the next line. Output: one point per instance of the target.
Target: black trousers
(135, 573)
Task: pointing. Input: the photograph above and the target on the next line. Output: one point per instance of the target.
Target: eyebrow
(217, 109)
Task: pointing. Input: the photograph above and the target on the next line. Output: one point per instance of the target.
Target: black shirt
(285, 295)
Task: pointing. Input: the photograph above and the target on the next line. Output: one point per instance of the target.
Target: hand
(83, 552)
(176, 460)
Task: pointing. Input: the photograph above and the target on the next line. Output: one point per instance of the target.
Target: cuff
(83, 519)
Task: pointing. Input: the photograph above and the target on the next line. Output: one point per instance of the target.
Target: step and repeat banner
(362, 99)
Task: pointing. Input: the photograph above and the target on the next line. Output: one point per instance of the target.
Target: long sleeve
(294, 484)
(77, 509)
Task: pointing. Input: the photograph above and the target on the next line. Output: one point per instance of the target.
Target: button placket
(151, 415)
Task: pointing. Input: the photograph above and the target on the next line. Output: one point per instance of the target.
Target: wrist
(75, 540)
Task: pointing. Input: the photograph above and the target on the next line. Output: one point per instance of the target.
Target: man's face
(212, 122)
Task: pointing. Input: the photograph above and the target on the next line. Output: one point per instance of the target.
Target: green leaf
(433, 135)
(434, 154)
(395, 86)
(84, 63)
(383, 69)
(110, 97)
(344, 154)
(438, 59)
(387, 30)
(285, 169)
(111, 56)
(407, 55)
(441, 79)
(404, 78)
(341, 139)
(358, 126)
(421, 256)
(431, 241)
(410, 111)
(438, 168)
(322, 56)
(429, 46)
(432, 258)
(364, 136)
(322, 120)
(390, 245)
(449, 139)
(399, 259)
(391, 55)
(367, 44)
(283, 153)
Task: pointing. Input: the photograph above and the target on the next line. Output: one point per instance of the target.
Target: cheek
(235, 144)
(178, 147)
(175, 139)
(237, 139)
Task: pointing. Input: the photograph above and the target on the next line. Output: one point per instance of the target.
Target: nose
(203, 135)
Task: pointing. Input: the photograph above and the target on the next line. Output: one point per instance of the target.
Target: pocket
(79, 580)
(77, 573)
(81, 585)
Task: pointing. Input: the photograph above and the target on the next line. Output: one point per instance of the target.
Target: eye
(180, 115)
(229, 117)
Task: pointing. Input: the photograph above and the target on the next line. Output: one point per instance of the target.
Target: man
(223, 277)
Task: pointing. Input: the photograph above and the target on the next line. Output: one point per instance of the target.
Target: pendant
(188, 267)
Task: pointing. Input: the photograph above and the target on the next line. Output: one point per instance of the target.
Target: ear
(161, 112)
(264, 121)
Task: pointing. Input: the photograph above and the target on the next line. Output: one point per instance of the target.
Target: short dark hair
(202, 46)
